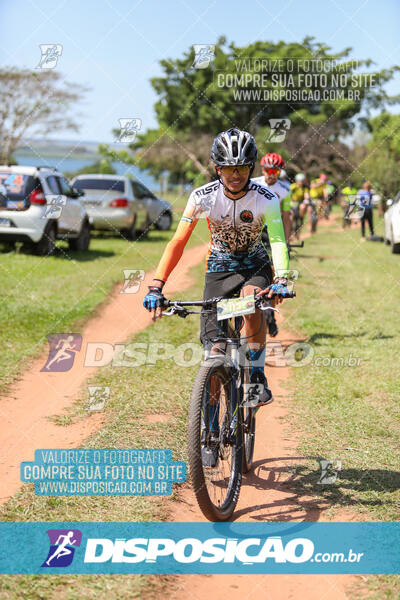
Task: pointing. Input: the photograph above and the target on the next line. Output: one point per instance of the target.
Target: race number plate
(234, 307)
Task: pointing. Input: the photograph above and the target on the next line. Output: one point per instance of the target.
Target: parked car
(392, 224)
(38, 206)
(118, 203)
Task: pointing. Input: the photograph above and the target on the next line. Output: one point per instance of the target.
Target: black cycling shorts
(228, 284)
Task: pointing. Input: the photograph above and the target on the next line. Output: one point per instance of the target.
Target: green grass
(57, 294)
(348, 306)
(135, 394)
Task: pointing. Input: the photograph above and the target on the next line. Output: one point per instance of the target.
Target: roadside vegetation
(349, 410)
(147, 409)
(57, 294)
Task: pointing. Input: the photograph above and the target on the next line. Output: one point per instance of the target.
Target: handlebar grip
(287, 295)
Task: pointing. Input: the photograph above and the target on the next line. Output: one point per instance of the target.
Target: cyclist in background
(348, 202)
(331, 189)
(319, 192)
(299, 196)
(272, 164)
(274, 179)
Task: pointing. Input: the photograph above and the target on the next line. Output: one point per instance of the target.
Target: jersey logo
(261, 190)
(208, 189)
(246, 216)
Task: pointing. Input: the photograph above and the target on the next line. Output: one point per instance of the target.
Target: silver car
(38, 206)
(118, 203)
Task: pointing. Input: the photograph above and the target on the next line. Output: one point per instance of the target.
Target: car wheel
(395, 248)
(81, 243)
(47, 244)
(164, 221)
(130, 233)
(8, 246)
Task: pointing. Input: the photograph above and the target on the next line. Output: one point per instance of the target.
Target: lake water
(70, 165)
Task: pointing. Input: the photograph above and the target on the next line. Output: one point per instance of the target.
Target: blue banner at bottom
(209, 548)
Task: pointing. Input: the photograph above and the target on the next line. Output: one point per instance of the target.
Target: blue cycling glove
(154, 298)
(279, 288)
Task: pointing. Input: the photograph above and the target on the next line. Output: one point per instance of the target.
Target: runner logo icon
(50, 55)
(330, 470)
(279, 129)
(204, 54)
(128, 129)
(62, 351)
(61, 551)
(132, 281)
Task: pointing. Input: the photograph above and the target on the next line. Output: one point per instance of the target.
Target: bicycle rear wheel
(212, 408)
(297, 222)
(314, 221)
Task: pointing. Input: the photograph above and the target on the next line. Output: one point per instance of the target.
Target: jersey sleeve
(174, 249)
(286, 200)
(273, 220)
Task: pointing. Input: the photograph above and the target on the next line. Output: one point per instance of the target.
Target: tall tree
(207, 99)
(381, 165)
(246, 87)
(33, 103)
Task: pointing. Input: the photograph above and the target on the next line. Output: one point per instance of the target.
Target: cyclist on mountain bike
(319, 192)
(236, 209)
(299, 197)
(272, 164)
(348, 199)
(274, 179)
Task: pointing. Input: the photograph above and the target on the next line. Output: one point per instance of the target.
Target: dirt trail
(267, 495)
(24, 426)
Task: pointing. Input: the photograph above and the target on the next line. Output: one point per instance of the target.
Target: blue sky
(114, 46)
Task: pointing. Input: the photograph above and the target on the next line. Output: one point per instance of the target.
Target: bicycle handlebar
(178, 307)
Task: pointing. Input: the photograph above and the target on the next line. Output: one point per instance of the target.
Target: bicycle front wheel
(249, 436)
(215, 441)
(248, 418)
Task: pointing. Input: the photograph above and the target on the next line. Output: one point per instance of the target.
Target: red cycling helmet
(272, 161)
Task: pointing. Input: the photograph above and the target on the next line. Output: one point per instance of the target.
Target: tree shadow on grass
(332, 336)
(86, 256)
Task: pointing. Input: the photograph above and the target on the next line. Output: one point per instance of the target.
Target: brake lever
(263, 306)
(181, 311)
(269, 308)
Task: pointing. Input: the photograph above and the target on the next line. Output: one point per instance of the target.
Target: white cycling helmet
(300, 177)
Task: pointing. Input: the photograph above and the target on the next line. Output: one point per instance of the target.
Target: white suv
(38, 206)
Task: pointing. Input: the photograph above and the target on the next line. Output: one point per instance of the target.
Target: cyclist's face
(234, 178)
(271, 175)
